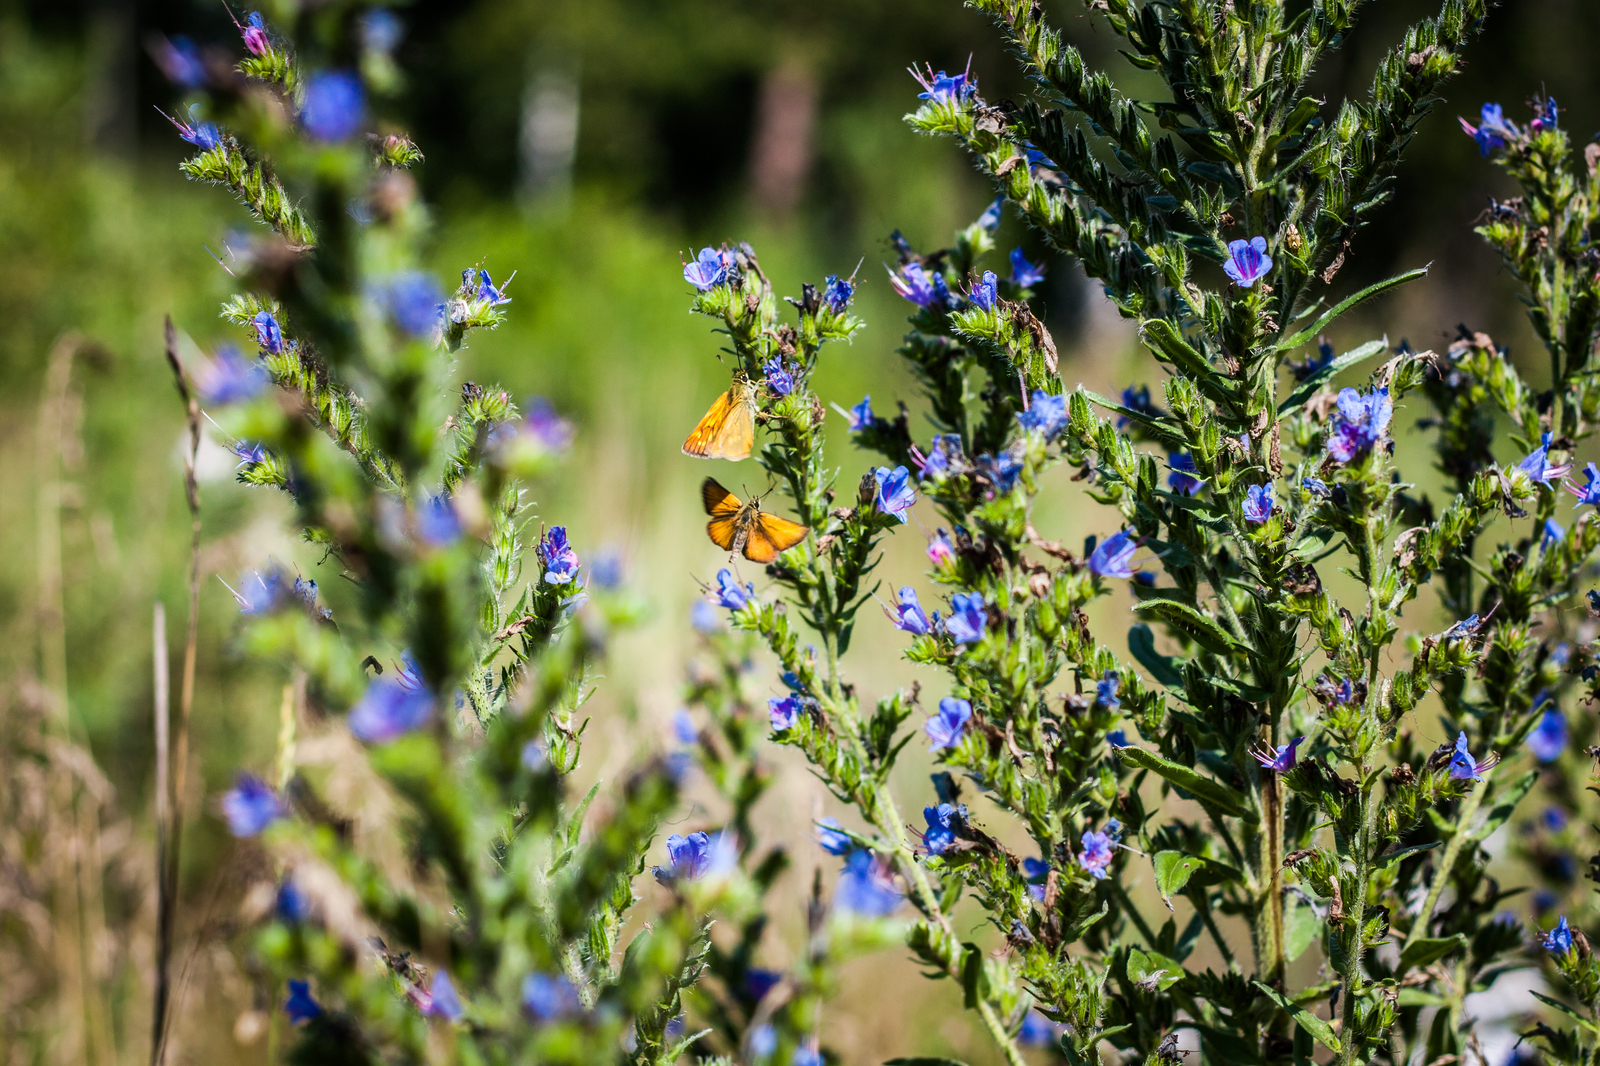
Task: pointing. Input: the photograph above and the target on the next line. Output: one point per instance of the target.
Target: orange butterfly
(729, 428)
(744, 527)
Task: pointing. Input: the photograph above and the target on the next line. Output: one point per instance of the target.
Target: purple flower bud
(335, 106)
(940, 550)
(1024, 275)
(944, 729)
(1248, 261)
(895, 494)
(268, 336)
(250, 806)
(969, 618)
(709, 270)
(254, 32)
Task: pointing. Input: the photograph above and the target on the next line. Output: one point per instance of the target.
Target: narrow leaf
(1505, 803)
(1203, 788)
(1308, 388)
(1190, 622)
(1310, 334)
(1319, 1029)
(1564, 1009)
(1426, 951)
(1164, 668)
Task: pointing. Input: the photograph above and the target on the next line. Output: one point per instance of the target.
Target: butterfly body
(744, 528)
(728, 429)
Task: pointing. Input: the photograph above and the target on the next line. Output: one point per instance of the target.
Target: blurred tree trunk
(784, 141)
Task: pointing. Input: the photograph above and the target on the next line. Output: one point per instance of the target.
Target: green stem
(1469, 808)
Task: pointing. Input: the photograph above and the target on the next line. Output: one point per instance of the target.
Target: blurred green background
(585, 144)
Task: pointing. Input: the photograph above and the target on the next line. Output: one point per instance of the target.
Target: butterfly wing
(724, 508)
(728, 430)
(770, 536)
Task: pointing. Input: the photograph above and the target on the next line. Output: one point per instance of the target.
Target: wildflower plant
(455, 663)
(1251, 746)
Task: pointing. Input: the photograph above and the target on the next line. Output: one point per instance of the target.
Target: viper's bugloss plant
(461, 667)
(1252, 746)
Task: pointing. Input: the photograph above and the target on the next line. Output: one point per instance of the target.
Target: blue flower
(335, 106)
(180, 61)
(1316, 486)
(987, 291)
(895, 492)
(254, 32)
(1024, 275)
(969, 618)
(1046, 413)
(1037, 871)
(729, 594)
(415, 302)
(784, 711)
(944, 822)
(1544, 901)
(1258, 504)
(758, 982)
(683, 730)
(832, 838)
(1462, 765)
(762, 1041)
(560, 561)
(300, 1007)
(442, 1000)
(779, 379)
(1558, 941)
(1324, 356)
(549, 429)
(837, 293)
(268, 336)
(250, 806)
(709, 270)
(485, 289)
(1544, 114)
(1358, 424)
(1106, 690)
(1467, 627)
(944, 88)
(1551, 535)
(1492, 130)
(946, 449)
(535, 756)
(1549, 738)
(866, 887)
(260, 592)
(920, 286)
(1001, 471)
(437, 522)
(550, 997)
(230, 377)
(1117, 738)
(908, 615)
(989, 221)
(1038, 1031)
(944, 729)
(697, 856)
(390, 709)
(381, 30)
(1096, 854)
(1590, 492)
(203, 135)
(1553, 818)
(1248, 261)
(1113, 556)
(861, 416)
(1182, 479)
(1537, 465)
(290, 904)
(1283, 759)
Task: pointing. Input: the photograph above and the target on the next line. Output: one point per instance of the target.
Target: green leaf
(1320, 1030)
(1426, 951)
(1505, 803)
(1218, 795)
(1308, 388)
(1162, 428)
(1416, 997)
(1190, 622)
(1395, 856)
(1147, 966)
(1310, 333)
(1316, 542)
(1564, 1009)
(1164, 668)
(1173, 869)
